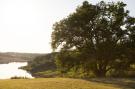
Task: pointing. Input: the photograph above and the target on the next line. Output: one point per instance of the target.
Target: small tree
(99, 33)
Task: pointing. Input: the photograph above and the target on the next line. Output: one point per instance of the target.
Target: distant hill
(17, 57)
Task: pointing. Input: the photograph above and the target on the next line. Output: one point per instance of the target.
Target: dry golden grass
(55, 83)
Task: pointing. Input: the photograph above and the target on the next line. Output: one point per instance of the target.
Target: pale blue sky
(26, 25)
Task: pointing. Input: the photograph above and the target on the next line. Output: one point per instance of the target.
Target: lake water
(12, 69)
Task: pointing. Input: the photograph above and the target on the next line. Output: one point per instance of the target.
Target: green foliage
(97, 38)
(66, 60)
(41, 64)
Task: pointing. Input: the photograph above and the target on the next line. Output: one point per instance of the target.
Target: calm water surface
(12, 69)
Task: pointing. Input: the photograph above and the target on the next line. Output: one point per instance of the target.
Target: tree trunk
(100, 73)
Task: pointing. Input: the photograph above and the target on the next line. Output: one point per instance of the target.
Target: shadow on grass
(123, 83)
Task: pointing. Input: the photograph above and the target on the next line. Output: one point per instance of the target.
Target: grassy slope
(55, 83)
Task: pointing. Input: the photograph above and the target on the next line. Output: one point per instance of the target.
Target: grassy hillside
(17, 57)
(62, 83)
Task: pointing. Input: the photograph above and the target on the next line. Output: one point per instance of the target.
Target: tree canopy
(97, 37)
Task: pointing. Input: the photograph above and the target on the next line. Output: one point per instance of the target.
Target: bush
(17, 77)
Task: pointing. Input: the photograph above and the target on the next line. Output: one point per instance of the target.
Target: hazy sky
(26, 25)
